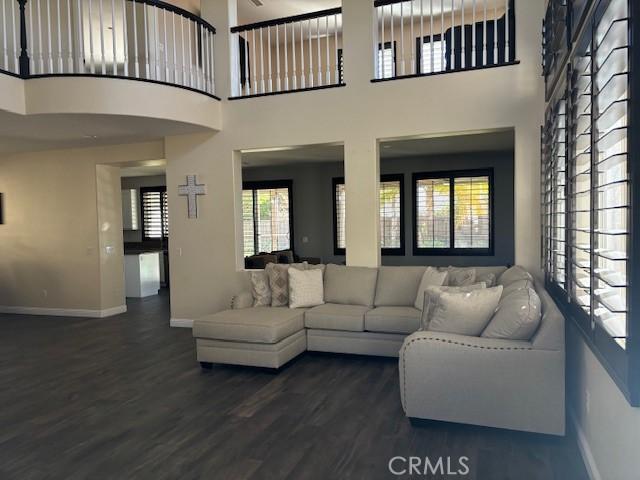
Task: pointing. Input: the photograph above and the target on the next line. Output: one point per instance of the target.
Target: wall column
(357, 34)
(362, 174)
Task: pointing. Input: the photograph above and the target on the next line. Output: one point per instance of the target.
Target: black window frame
(265, 185)
(392, 177)
(452, 250)
(164, 237)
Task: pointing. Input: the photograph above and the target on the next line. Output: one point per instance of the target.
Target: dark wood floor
(123, 398)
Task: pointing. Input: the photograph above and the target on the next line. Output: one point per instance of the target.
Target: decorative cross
(191, 190)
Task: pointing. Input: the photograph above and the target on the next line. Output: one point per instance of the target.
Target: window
(387, 60)
(391, 215)
(587, 178)
(155, 217)
(267, 216)
(453, 213)
(431, 55)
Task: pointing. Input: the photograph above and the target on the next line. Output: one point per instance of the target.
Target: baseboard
(64, 312)
(585, 450)
(181, 323)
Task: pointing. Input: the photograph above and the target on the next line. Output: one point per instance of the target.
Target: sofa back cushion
(517, 316)
(397, 286)
(350, 285)
(514, 274)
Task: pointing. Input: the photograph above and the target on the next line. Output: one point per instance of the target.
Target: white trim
(584, 447)
(181, 323)
(64, 312)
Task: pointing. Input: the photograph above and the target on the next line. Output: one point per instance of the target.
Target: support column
(223, 15)
(362, 175)
(358, 40)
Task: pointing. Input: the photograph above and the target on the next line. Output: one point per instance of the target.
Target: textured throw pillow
(513, 274)
(318, 266)
(432, 277)
(461, 277)
(516, 286)
(488, 278)
(432, 294)
(279, 283)
(306, 288)
(465, 313)
(260, 289)
(517, 317)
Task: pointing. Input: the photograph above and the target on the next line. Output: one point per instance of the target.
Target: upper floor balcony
(411, 38)
(68, 52)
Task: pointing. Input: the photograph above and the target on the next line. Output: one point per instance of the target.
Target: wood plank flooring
(124, 398)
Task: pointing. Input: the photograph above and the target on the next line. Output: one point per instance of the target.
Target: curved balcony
(142, 40)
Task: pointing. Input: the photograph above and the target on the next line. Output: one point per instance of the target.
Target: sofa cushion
(256, 325)
(305, 288)
(397, 285)
(517, 317)
(392, 320)
(465, 313)
(513, 274)
(461, 277)
(260, 289)
(432, 277)
(331, 316)
(350, 285)
(432, 297)
(516, 286)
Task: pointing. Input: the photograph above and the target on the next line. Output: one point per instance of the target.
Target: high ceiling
(20, 133)
(248, 12)
(399, 148)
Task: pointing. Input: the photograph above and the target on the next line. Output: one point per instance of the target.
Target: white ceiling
(400, 148)
(20, 133)
(248, 12)
(147, 169)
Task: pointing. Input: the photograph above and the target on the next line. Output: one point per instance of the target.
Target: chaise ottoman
(260, 337)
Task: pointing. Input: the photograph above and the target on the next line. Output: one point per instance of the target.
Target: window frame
(392, 177)
(162, 238)
(452, 250)
(265, 185)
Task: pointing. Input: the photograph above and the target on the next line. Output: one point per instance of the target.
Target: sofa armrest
(242, 300)
(482, 381)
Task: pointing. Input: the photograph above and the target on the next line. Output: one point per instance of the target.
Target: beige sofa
(370, 311)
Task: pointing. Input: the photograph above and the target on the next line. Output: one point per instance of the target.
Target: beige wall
(62, 210)
(358, 115)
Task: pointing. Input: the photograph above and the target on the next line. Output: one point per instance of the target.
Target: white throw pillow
(306, 288)
(431, 277)
(465, 313)
(432, 294)
(488, 278)
(461, 277)
(517, 317)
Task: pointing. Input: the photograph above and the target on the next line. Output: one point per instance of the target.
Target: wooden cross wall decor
(192, 190)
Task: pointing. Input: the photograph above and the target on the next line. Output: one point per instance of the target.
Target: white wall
(608, 428)
(358, 115)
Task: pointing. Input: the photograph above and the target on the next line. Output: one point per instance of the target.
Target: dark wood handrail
(382, 3)
(179, 11)
(284, 20)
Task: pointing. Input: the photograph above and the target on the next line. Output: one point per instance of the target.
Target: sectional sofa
(516, 384)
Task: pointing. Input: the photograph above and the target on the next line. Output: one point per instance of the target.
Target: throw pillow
(260, 289)
(516, 286)
(517, 317)
(513, 274)
(432, 277)
(465, 313)
(488, 278)
(317, 266)
(461, 277)
(279, 282)
(432, 294)
(306, 288)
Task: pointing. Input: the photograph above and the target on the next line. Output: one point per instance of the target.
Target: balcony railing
(134, 39)
(289, 54)
(426, 37)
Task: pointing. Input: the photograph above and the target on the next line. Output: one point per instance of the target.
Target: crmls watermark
(425, 466)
